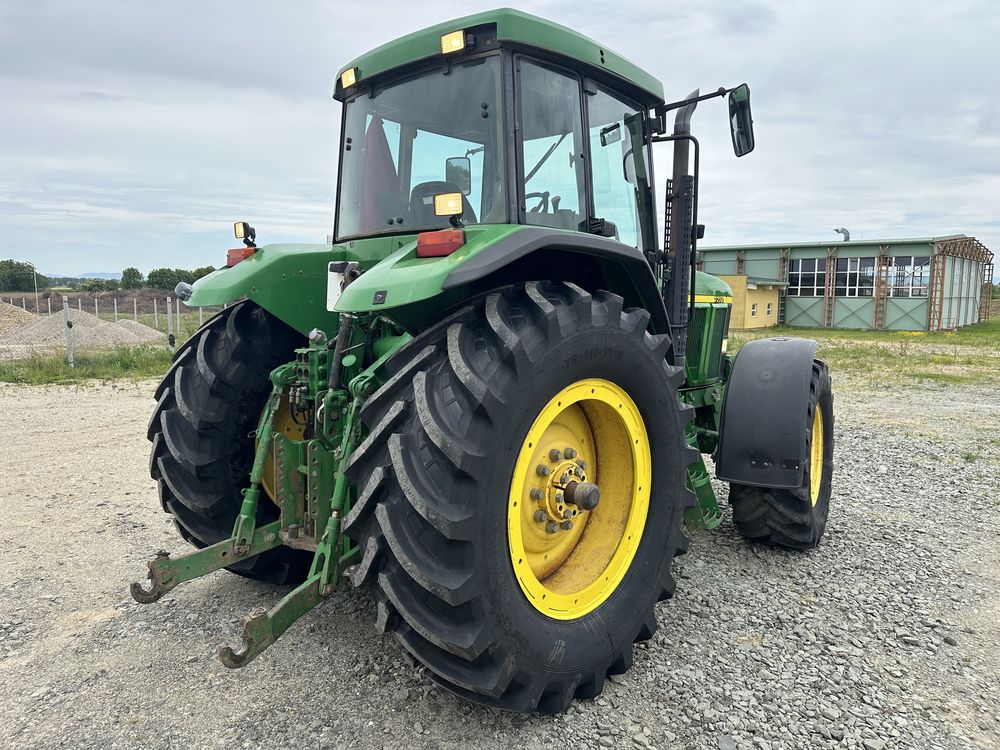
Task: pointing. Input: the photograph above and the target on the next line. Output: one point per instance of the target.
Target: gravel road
(887, 636)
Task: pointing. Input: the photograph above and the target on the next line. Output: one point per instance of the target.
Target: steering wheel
(543, 203)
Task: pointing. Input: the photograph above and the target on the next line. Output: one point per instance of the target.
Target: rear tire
(434, 479)
(207, 410)
(794, 518)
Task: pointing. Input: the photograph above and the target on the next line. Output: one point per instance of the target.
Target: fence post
(79, 303)
(177, 317)
(156, 315)
(135, 309)
(24, 305)
(49, 300)
(170, 328)
(68, 325)
(201, 316)
(96, 313)
(115, 300)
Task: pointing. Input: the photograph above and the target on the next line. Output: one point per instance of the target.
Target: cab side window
(612, 123)
(552, 146)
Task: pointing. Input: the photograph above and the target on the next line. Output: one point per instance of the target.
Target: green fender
(289, 281)
(415, 291)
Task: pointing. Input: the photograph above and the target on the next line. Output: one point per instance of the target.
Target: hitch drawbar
(332, 555)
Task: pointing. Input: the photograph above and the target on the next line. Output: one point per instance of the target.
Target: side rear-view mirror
(741, 120)
(458, 171)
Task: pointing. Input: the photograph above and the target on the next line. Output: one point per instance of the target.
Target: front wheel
(520, 494)
(795, 518)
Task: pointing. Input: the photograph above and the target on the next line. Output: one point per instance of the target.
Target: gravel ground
(887, 636)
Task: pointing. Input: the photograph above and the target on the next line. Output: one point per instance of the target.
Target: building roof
(753, 279)
(513, 26)
(765, 282)
(838, 243)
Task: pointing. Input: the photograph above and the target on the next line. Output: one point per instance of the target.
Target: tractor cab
(514, 121)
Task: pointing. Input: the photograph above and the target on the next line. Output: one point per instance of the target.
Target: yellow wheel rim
(284, 424)
(816, 456)
(567, 559)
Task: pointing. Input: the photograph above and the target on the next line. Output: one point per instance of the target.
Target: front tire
(207, 410)
(440, 476)
(795, 518)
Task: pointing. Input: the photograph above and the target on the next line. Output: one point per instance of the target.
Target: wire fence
(84, 318)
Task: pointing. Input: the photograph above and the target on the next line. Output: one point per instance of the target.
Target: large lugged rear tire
(451, 460)
(207, 410)
(795, 518)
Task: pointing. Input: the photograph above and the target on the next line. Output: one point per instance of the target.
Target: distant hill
(105, 275)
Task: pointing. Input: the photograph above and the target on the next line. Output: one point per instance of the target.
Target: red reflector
(235, 255)
(436, 244)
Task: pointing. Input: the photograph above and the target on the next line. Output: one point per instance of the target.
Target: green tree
(131, 278)
(16, 276)
(162, 278)
(93, 285)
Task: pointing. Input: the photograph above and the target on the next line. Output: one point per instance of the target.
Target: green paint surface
(513, 26)
(405, 278)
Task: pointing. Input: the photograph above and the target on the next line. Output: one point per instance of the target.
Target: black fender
(588, 260)
(762, 435)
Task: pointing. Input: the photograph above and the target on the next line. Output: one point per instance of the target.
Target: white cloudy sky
(135, 133)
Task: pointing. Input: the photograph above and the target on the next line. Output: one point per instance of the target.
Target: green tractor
(489, 398)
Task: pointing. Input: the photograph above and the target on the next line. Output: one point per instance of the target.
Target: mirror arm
(660, 120)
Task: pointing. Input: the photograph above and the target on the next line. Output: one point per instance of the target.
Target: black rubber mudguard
(762, 439)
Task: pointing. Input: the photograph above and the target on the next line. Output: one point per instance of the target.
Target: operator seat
(422, 204)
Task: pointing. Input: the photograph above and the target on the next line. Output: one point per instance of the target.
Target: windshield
(397, 143)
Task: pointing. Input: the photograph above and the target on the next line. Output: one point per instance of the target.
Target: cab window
(552, 167)
(612, 126)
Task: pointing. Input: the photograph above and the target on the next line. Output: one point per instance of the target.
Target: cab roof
(512, 27)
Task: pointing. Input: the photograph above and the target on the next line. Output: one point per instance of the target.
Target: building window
(806, 277)
(909, 275)
(753, 310)
(769, 306)
(855, 277)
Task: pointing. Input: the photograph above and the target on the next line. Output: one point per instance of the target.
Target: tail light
(235, 255)
(440, 243)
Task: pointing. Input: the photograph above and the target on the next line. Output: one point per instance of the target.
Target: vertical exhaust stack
(678, 288)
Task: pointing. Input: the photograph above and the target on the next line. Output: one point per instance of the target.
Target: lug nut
(540, 515)
(566, 525)
(570, 453)
(537, 494)
(582, 464)
(567, 514)
(542, 470)
(559, 496)
(552, 527)
(564, 478)
(555, 455)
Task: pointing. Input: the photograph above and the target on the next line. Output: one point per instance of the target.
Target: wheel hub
(579, 498)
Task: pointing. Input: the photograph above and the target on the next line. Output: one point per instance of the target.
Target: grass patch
(970, 457)
(969, 355)
(132, 363)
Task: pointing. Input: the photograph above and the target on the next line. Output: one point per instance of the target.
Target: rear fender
(762, 440)
(416, 291)
(289, 281)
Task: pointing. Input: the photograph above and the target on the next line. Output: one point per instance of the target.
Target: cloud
(135, 131)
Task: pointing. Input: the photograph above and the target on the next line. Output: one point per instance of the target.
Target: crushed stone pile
(144, 332)
(48, 329)
(12, 317)
(88, 331)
